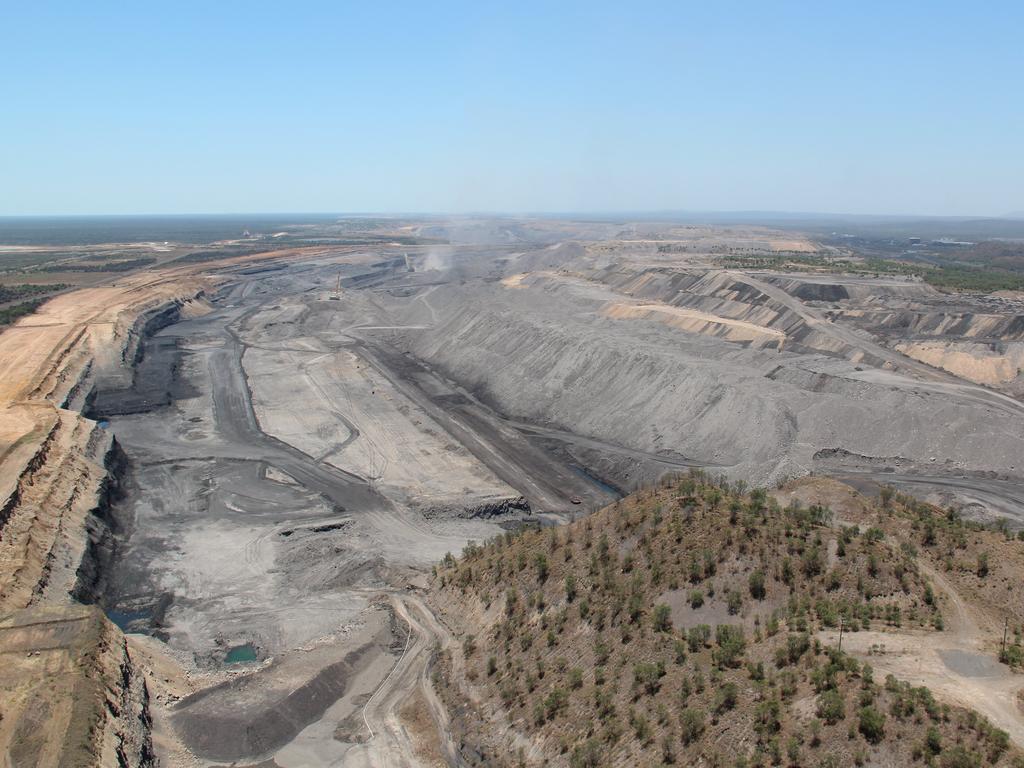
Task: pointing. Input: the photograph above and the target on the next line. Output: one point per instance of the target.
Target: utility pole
(1006, 628)
(842, 624)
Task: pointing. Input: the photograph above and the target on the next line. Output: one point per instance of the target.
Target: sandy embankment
(975, 362)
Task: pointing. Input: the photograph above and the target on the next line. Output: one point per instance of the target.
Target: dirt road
(390, 744)
(958, 664)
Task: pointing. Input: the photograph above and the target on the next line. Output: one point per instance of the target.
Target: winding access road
(390, 745)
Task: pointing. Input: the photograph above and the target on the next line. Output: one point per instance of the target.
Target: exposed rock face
(999, 365)
(50, 526)
(920, 322)
(69, 692)
(71, 695)
(979, 338)
(485, 509)
(54, 479)
(732, 306)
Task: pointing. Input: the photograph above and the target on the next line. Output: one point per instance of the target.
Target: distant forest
(9, 314)
(15, 292)
(990, 266)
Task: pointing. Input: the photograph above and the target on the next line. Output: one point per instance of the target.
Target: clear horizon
(855, 109)
(668, 214)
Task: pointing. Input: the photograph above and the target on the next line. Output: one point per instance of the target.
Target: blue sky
(860, 107)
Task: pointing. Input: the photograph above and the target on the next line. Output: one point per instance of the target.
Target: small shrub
(871, 724)
(575, 678)
(691, 724)
(661, 618)
(731, 645)
(960, 757)
(726, 698)
(697, 637)
(756, 585)
(831, 707)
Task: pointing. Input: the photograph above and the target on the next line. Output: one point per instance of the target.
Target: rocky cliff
(71, 695)
(70, 692)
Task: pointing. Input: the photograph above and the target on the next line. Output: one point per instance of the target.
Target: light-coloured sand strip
(691, 320)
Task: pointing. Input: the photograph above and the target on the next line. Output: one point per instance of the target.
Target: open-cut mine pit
(252, 462)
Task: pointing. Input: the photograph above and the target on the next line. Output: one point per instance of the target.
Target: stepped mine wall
(757, 412)
(61, 467)
(719, 293)
(72, 694)
(927, 323)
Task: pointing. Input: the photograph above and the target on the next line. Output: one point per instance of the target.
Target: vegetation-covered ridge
(949, 273)
(680, 626)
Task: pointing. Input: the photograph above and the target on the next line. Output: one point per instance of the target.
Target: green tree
(929, 534)
(886, 493)
(831, 707)
(697, 637)
(787, 571)
(575, 678)
(570, 587)
(731, 645)
(811, 562)
(734, 601)
(662, 618)
(756, 584)
(680, 649)
(648, 676)
(555, 702)
(767, 717)
(541, 561)
(871, 724)
(691, 724)
(726, 697)
(586, 755)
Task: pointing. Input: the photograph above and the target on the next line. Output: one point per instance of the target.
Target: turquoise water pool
(241, 654)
